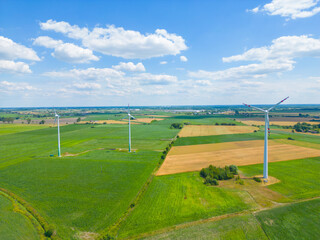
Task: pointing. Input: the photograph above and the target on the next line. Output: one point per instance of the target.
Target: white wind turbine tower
(129, 123)
(266, 131)
(56, 118)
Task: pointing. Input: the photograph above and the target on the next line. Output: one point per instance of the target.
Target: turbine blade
(132, 117)
(277, 104)
(260, 109)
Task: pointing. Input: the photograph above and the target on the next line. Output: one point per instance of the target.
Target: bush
(176, 125)
(257, 179)
(132, 205)
(233, 169)
(49, 232)
(211, 181)
(212, 172)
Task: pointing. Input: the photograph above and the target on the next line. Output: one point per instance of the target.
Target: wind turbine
(129, 123)
(266, 131)
(56, 118)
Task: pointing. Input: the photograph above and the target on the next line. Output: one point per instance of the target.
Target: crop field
(179, 198)
(87, 192)
(299, 179)
(296, 221)
(107, 122)
(278, 123)
(244, 227)
(97, 186)
(15, 128)
(194, 158)
(14, 225)
(207, 130)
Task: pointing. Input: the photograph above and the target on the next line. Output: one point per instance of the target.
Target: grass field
(180, 198)
(15, 128)
(236, 228)
(88, 192)
(194, 158)
(207, 130)
(296, 221)
(14, 225)
(299, 179)
(278, 123)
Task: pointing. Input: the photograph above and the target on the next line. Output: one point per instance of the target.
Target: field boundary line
(215, 218)
(113, 229)
(27, 210)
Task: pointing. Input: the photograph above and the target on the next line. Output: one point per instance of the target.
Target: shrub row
(225, 124)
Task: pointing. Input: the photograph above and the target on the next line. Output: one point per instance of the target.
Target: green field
(92, 187)
(236, 228)
(181, 198)
(295, 221)
(14, 225)
(88, 192)
(299, 179)
(15, 128)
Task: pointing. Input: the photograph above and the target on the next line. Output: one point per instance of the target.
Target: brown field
(146, 120)
(108, 122)
(195, 157)
(207, 130)
(279, 123)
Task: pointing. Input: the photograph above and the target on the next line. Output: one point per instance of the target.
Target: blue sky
(104, 53)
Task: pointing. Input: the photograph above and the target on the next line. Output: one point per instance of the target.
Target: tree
(79, 119)
(28, 120)
(42, 122)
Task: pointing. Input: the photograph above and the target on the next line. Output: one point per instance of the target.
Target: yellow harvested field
(237, 153)
(146, 120)
(207, 130)
(279, 123)
(108, 122)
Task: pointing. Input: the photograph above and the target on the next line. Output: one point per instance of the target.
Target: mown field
(180, 198)
(14, 225)
(208, 130)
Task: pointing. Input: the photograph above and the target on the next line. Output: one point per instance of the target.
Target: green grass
(180, 198)
(299, 179)
(14, 225)
(88, 192)
(196, 120)
(15, 128)
(236, 228)
(295, 221)
(183, 141)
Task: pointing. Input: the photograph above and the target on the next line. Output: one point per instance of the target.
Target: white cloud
(10, 86)
(67, 52)
(203, 82)
(14, 67)
(119, 42)
(163, 62)
(88, 74)
(154, 79)
(247, 71)
(87, 86)
(130, 66)
(286, 47)
(276, 58)
(183, 59)
(290, 8)
(65, 28)
(9, 50)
